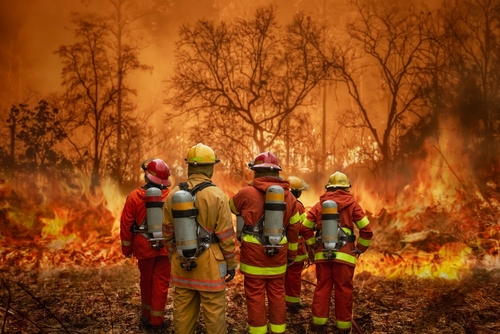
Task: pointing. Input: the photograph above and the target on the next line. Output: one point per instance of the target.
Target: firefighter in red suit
(294, 272)
(263, 266)
(335, 269)
(152, 257)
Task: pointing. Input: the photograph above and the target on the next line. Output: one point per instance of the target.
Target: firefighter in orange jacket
(141, 236)
(265, 250)
(294, 272)
(335, 262)
(203, 249)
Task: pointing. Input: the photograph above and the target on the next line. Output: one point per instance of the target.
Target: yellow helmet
(201, 155)
(338, 180)
(296, 183)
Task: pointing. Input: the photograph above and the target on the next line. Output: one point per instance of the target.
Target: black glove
(230, 273)
(290, 262)
(356, 252)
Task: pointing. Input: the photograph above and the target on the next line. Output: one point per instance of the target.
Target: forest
(402, 97)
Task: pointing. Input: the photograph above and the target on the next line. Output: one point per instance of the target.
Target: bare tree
(91, 91)
(242, 79)
(472, 34)
(386, 55)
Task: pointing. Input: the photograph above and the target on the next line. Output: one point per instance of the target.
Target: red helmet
(156, 171)
(265, 160)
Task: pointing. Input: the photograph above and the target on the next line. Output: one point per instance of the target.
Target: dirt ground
(107, 300)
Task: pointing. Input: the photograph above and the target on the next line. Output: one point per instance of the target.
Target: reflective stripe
(347, 230)
(308, 224)
(291, 299)
(303, 217)
(338, 256)
(210, 285)
(266, 271)
(300, 258)
(295, 218)
(126, 243)
(362, 223)
(224, 235)
(253, 240)
(278, 328)
(319, 321)
(257, 330)
(363, 242)
(233, 208)
(311, 241)
(343, 324)
(169, 229)
(228, 256)
(156, 313)
(146, 307)
(293, 246)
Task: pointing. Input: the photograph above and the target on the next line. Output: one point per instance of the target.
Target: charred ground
(107, 300)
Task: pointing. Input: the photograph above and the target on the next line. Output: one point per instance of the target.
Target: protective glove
(230, 273)
(290, 262)
(356, 252)
(310, 253)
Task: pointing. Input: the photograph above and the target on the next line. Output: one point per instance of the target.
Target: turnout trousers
(293, 283)
(187, 307)
(255, 293)
(154, 281)
(339, 276)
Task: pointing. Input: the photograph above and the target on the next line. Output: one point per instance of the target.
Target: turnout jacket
(351, 214)
(215, 216)
(134, 211)
(249, 203)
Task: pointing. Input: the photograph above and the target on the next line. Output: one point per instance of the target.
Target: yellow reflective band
(347, 230)
(363, 242)
(319, 321)
(362, 223)
(303, 217)
(295, 219)
(300, 258)
(156, 313)
(182, 206)
(278, 328)
(329, 210)
(251, 239)
(233, 208)
(257, 330)
(311, 241)
(343, 324)
(291, 299)
(265, 271)
(308, 224)
(126, 243)
(293, 246)
(338, 256)
(146, 307)
(275, 197)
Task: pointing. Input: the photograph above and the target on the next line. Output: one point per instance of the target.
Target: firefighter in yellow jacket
(199, 235)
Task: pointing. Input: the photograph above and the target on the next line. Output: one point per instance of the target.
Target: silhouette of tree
(241, 79)
(387, 42)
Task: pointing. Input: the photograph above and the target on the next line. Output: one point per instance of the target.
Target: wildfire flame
(436, 227)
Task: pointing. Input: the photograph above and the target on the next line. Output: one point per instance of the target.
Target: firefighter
(201, 258)
(294, 272)
(268, 242)
(336, 250)
(139, 238)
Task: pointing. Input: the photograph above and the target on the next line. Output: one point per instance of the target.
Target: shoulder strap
(198, 187)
